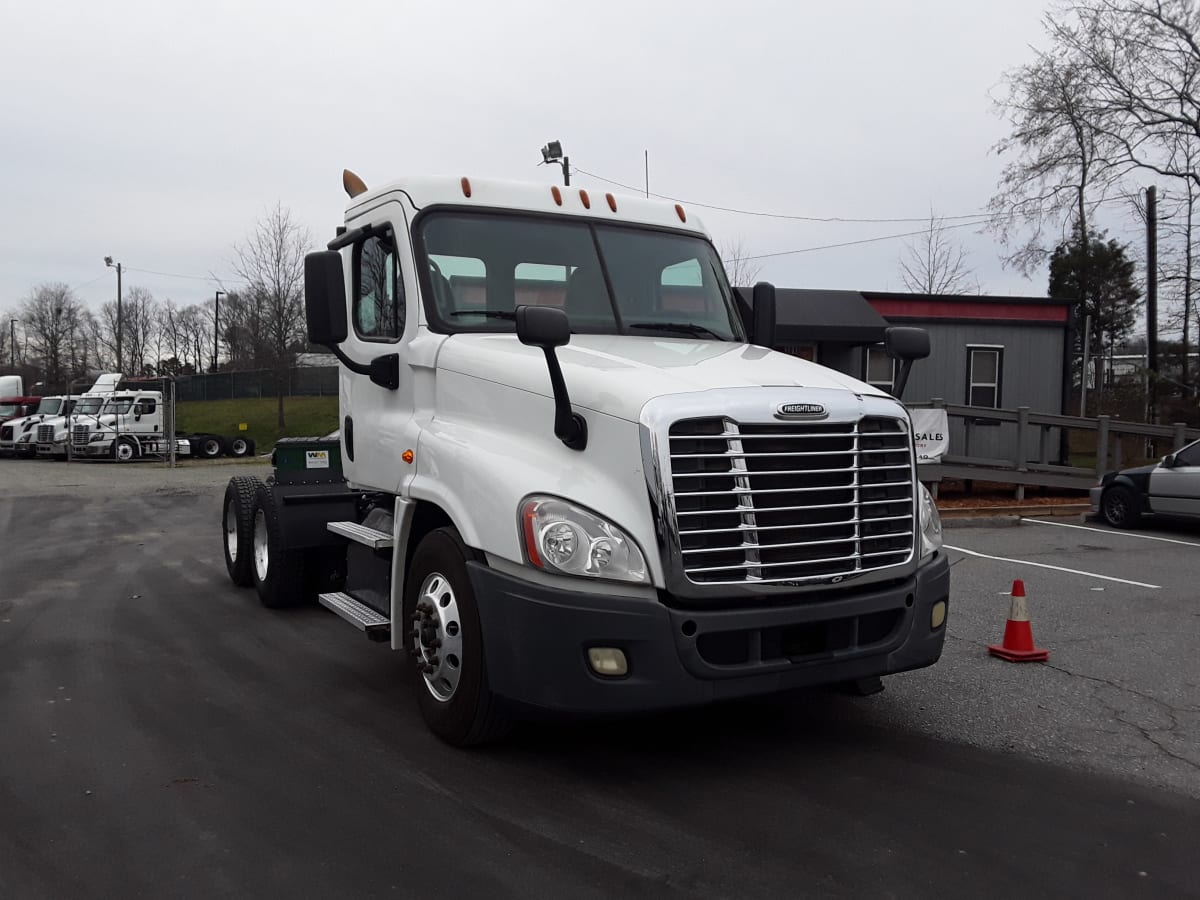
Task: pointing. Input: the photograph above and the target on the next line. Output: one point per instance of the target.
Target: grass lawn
(305, 417)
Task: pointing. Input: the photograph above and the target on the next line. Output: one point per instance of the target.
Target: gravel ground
(32, 477)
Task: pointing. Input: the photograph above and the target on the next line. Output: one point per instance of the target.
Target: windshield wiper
(486, 313)
(682, 327)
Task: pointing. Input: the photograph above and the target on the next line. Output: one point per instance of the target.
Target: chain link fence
(302, 381)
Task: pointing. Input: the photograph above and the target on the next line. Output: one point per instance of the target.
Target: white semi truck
(571, 474)
(51, 436)
(17, 436)
(128, 426)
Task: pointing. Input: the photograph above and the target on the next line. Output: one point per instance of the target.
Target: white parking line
(1025, 562)
(1144, 537)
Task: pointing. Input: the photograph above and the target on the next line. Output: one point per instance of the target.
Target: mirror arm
(902, 378)
(569, 426)
(382, 370)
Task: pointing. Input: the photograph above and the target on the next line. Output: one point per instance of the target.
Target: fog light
(937, 616)
(608, 661)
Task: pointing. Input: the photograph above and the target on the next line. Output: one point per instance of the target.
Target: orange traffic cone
(1018, 633)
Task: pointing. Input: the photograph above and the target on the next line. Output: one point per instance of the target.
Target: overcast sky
(159, 132)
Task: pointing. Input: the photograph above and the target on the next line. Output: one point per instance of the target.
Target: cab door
(382, 320)
(1176, 489)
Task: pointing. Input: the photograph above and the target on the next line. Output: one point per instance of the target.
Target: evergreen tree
(1099, 277)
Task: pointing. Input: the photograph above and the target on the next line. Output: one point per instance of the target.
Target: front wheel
(444, 635)
(1119, 506)
(124, 449)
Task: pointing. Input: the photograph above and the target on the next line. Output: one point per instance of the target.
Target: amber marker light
(531, 547)
(466, 186)
(587, 202)
(557, 194)
(612, 202)
(679, 212)
(407, 456)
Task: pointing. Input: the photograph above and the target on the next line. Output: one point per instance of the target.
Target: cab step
(375, 625)
(369, 537)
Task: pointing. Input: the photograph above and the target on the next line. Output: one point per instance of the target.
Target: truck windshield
(9, 409)
(609, 279)
(89, 406)
(50, 406)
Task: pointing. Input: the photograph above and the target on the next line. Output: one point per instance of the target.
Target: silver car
(1171, 488)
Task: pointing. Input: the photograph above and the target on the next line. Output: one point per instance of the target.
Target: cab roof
(487, 193)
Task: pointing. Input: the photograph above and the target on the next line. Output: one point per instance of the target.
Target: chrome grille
(45, 434)
(791, 502)
(80, 435)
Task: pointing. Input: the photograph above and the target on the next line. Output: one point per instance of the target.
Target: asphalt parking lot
(165, 735)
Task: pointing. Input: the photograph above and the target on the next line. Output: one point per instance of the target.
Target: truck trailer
(572, 476)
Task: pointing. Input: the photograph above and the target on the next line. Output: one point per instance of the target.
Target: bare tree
(271, 262)
(935, 263)
(1059, 159)
(1141, 63)
(51, 316)
(741, 270)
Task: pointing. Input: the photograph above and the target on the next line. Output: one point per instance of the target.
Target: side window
(985, 366)
(378, 310)
(880, 369)
(144, 407)
(1188, 456)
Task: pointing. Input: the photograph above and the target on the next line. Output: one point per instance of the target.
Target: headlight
(60, 437)
(25, 438)
(567, 539)
(96, 438)
(931, 525)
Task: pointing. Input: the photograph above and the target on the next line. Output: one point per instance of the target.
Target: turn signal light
(407, 456)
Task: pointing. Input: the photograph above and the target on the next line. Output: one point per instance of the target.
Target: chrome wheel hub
(262, 553)
(231, 536)
(437, 637)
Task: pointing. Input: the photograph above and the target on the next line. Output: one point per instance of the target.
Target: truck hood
(618, 374)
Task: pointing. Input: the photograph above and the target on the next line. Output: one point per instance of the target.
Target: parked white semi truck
(18, 436)
(52, 435)
(129, 425)
(571, 475)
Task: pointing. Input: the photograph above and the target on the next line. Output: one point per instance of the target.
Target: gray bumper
(537, 638)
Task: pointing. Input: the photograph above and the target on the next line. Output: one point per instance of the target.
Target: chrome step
(376, 625)
(376, 540)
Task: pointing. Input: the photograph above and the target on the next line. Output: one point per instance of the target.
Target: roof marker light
(557, 194)
(587, 202)
(466, 186)
(352, 184)
(612, 202)
(679, 212)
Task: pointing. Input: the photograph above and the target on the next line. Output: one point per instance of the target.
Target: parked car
(1171, 487)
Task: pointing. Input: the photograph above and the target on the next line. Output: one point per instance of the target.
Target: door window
(378, 311)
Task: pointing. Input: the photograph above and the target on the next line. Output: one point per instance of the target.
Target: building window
(985, 365)
(880, 369)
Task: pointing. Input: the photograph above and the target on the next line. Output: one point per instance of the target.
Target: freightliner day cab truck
(572, 476)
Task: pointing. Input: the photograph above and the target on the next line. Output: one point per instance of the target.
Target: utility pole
(1152, 297)
(647, 160)
(12, 342)
(216, 326)
(108, 261)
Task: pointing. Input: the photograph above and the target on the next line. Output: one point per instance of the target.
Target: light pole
(216, 326)
(553, 153)
(12, 342)
(108, 261)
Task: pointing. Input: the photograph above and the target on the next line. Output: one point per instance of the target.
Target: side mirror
(902, 342)
(764, 315)
(905, 344)
(543, 326)
(325, 298)
(137, 416)
(1168, 461)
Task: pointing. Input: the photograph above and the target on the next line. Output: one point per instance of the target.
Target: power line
(788, 216)
(870, 240)
(210, 278)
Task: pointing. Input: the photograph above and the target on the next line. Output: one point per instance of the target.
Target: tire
(237, 529)
(125, 449)
(456, 701)
(206, 446)
(278, 574)
(1120, 508)
(238, 447)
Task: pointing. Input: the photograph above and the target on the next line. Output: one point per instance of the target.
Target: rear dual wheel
(237, 529)
(278, 573)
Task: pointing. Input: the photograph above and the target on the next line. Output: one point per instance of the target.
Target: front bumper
(537, 638)
(1094, 495)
